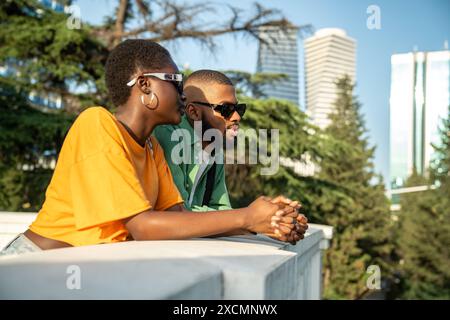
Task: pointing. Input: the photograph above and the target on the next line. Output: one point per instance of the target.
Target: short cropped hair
(208, 76)
(126, 59)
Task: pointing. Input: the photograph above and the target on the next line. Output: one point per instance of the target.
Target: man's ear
(193, 112)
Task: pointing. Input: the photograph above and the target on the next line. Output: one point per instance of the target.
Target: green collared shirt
(184, 174)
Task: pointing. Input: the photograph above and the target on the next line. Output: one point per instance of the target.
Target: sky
(405, 25)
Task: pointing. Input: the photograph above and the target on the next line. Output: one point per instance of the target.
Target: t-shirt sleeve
(103, 183)
(168, 194)
(105, 188)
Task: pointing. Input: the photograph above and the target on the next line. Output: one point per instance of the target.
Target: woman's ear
(144, 84)
(193, 112)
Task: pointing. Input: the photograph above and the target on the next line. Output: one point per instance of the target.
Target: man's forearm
(165, 225)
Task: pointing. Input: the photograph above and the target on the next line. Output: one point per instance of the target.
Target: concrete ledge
(241, 267)
(129, 270)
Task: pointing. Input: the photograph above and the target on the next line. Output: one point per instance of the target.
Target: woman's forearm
(236, 232)
(165, 225)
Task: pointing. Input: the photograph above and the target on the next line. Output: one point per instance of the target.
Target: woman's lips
(181, 109)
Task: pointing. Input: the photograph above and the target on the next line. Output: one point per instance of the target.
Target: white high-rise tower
(329, 55)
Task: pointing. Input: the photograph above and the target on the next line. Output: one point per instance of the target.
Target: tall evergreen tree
(360, 213)
(424, 237)
(297, 137)
(440, 168)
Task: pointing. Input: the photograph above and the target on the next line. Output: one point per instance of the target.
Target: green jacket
(184, 174)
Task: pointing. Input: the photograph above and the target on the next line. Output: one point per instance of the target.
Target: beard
(206, 125)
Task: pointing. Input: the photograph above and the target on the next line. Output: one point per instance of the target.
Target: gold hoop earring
(150, 105)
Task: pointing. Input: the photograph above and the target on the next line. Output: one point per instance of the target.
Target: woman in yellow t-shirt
(112, 183)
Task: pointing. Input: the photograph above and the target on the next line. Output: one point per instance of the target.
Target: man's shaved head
(210, 86)
(207, 77)
(206, 85)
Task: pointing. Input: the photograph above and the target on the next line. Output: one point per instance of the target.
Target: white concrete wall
(244, 267)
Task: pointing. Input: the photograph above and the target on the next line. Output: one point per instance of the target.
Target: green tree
(358, 210)
(424, 237)
(344, 192)
(251, 84)
(29, 142)
(297, 137)
(43, 56)
(440, 167)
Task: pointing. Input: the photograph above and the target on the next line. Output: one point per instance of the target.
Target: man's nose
(235, 117)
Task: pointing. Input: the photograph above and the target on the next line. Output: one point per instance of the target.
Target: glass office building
(56, 5)
(420, 96)
(279, 54)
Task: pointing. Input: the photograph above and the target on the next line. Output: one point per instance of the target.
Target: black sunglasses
(226, 110)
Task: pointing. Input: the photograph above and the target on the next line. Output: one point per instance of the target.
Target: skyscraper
(420, 96)
(280, 55)
(329, 55)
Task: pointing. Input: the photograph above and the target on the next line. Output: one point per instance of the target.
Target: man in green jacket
(191, 178)
(211, 102)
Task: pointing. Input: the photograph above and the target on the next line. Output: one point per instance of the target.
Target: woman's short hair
(126, 59)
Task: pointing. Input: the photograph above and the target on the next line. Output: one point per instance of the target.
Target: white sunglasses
(175, 78)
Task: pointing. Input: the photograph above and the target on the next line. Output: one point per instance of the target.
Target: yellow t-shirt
(103, 176)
